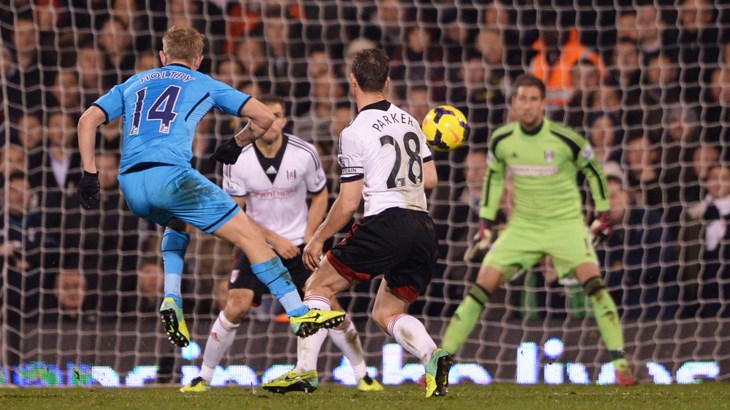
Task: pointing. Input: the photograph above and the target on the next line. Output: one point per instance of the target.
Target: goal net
(647, 82)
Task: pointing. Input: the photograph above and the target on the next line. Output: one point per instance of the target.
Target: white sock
(349, 343)
(308, 348)
(410, 333)
(220, 339)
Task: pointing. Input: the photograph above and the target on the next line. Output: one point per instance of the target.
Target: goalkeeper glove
(601, 228)
(89, 190)
(481, 242)
(228, 152)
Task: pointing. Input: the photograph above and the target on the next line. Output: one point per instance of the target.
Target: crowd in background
(647, 82)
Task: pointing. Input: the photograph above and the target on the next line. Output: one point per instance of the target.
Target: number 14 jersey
(385, 146)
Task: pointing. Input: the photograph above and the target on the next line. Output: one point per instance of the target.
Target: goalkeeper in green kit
(542, 157)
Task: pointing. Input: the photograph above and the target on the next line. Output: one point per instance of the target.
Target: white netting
(647, 81)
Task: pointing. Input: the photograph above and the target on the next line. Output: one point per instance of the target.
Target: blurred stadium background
(648, 82)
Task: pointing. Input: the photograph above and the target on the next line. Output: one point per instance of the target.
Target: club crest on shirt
(291, 174)
(587, 152)
(549, 156)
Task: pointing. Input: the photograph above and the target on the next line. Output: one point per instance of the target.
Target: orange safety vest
(557, 79)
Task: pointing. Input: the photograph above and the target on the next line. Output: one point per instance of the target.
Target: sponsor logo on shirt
(533, 170)
(274, 193)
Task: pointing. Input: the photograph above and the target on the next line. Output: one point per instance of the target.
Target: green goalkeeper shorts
(520, 247)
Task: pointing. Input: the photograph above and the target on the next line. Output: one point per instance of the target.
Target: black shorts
(242, 276)
(397, 243)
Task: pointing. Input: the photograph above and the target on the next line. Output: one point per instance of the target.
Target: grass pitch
(708, 395)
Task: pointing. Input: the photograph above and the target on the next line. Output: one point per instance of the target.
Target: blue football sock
(276, 277)
(174, 245)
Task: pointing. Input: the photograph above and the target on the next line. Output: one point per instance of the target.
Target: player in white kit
(271, 181)
(385, 160)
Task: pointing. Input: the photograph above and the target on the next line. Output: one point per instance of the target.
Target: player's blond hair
(183, 43)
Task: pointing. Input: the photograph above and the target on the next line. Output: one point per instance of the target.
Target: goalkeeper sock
(465, 319)
(174, 244)
(604, 309)
(410, 333)
(308, 348)
(348, 341)
(219, 341)
(277, 278)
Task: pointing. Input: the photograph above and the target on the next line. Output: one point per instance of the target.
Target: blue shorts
(163, 192)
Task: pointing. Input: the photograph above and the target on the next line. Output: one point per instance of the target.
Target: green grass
(708, 395)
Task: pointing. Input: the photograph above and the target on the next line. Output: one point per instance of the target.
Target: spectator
(284, 53)
(626, 25)
(24, 251)
(479, 96)
(70, 291)
(60, 169)
(641, 158)
(28, 75)
(66, 92)
(30, 136)
(145, 61)
(714, 283)
(660, 92)
(694, 45)
(587, 79)
(605, 137)
(638, 259)
(417, 61)
(12, 159)
(715, 103)
(229, 71)
(558, 50)
(115, 41)
(89, 65)
(625, 70)
(650, 28)
(315, 124)
(418, 102)
(250, 52)
(150, 281)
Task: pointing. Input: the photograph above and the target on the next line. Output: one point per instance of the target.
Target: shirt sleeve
(591, 167)
(350, 157)
(426, 154)
(493, 185)
(233, 184)
(112, 103)
(315, 178)
(226, 98)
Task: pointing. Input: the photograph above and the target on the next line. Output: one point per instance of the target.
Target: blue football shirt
(161, 109)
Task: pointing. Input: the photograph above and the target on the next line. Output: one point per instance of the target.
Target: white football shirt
(276, 189)
(385, 146)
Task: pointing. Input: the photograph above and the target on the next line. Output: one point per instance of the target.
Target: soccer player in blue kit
(161, 109)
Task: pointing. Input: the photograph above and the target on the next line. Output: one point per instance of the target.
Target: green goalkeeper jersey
(543, 166)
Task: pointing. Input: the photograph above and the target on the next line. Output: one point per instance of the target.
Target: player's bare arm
(260, 120)
(430, 177)
(317, 212)
(341, 213)
(88, 123)
(282, 246)
(89, 187)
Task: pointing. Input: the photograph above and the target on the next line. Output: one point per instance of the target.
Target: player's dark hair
(272, 99)
(529, 80)
(370, 68)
